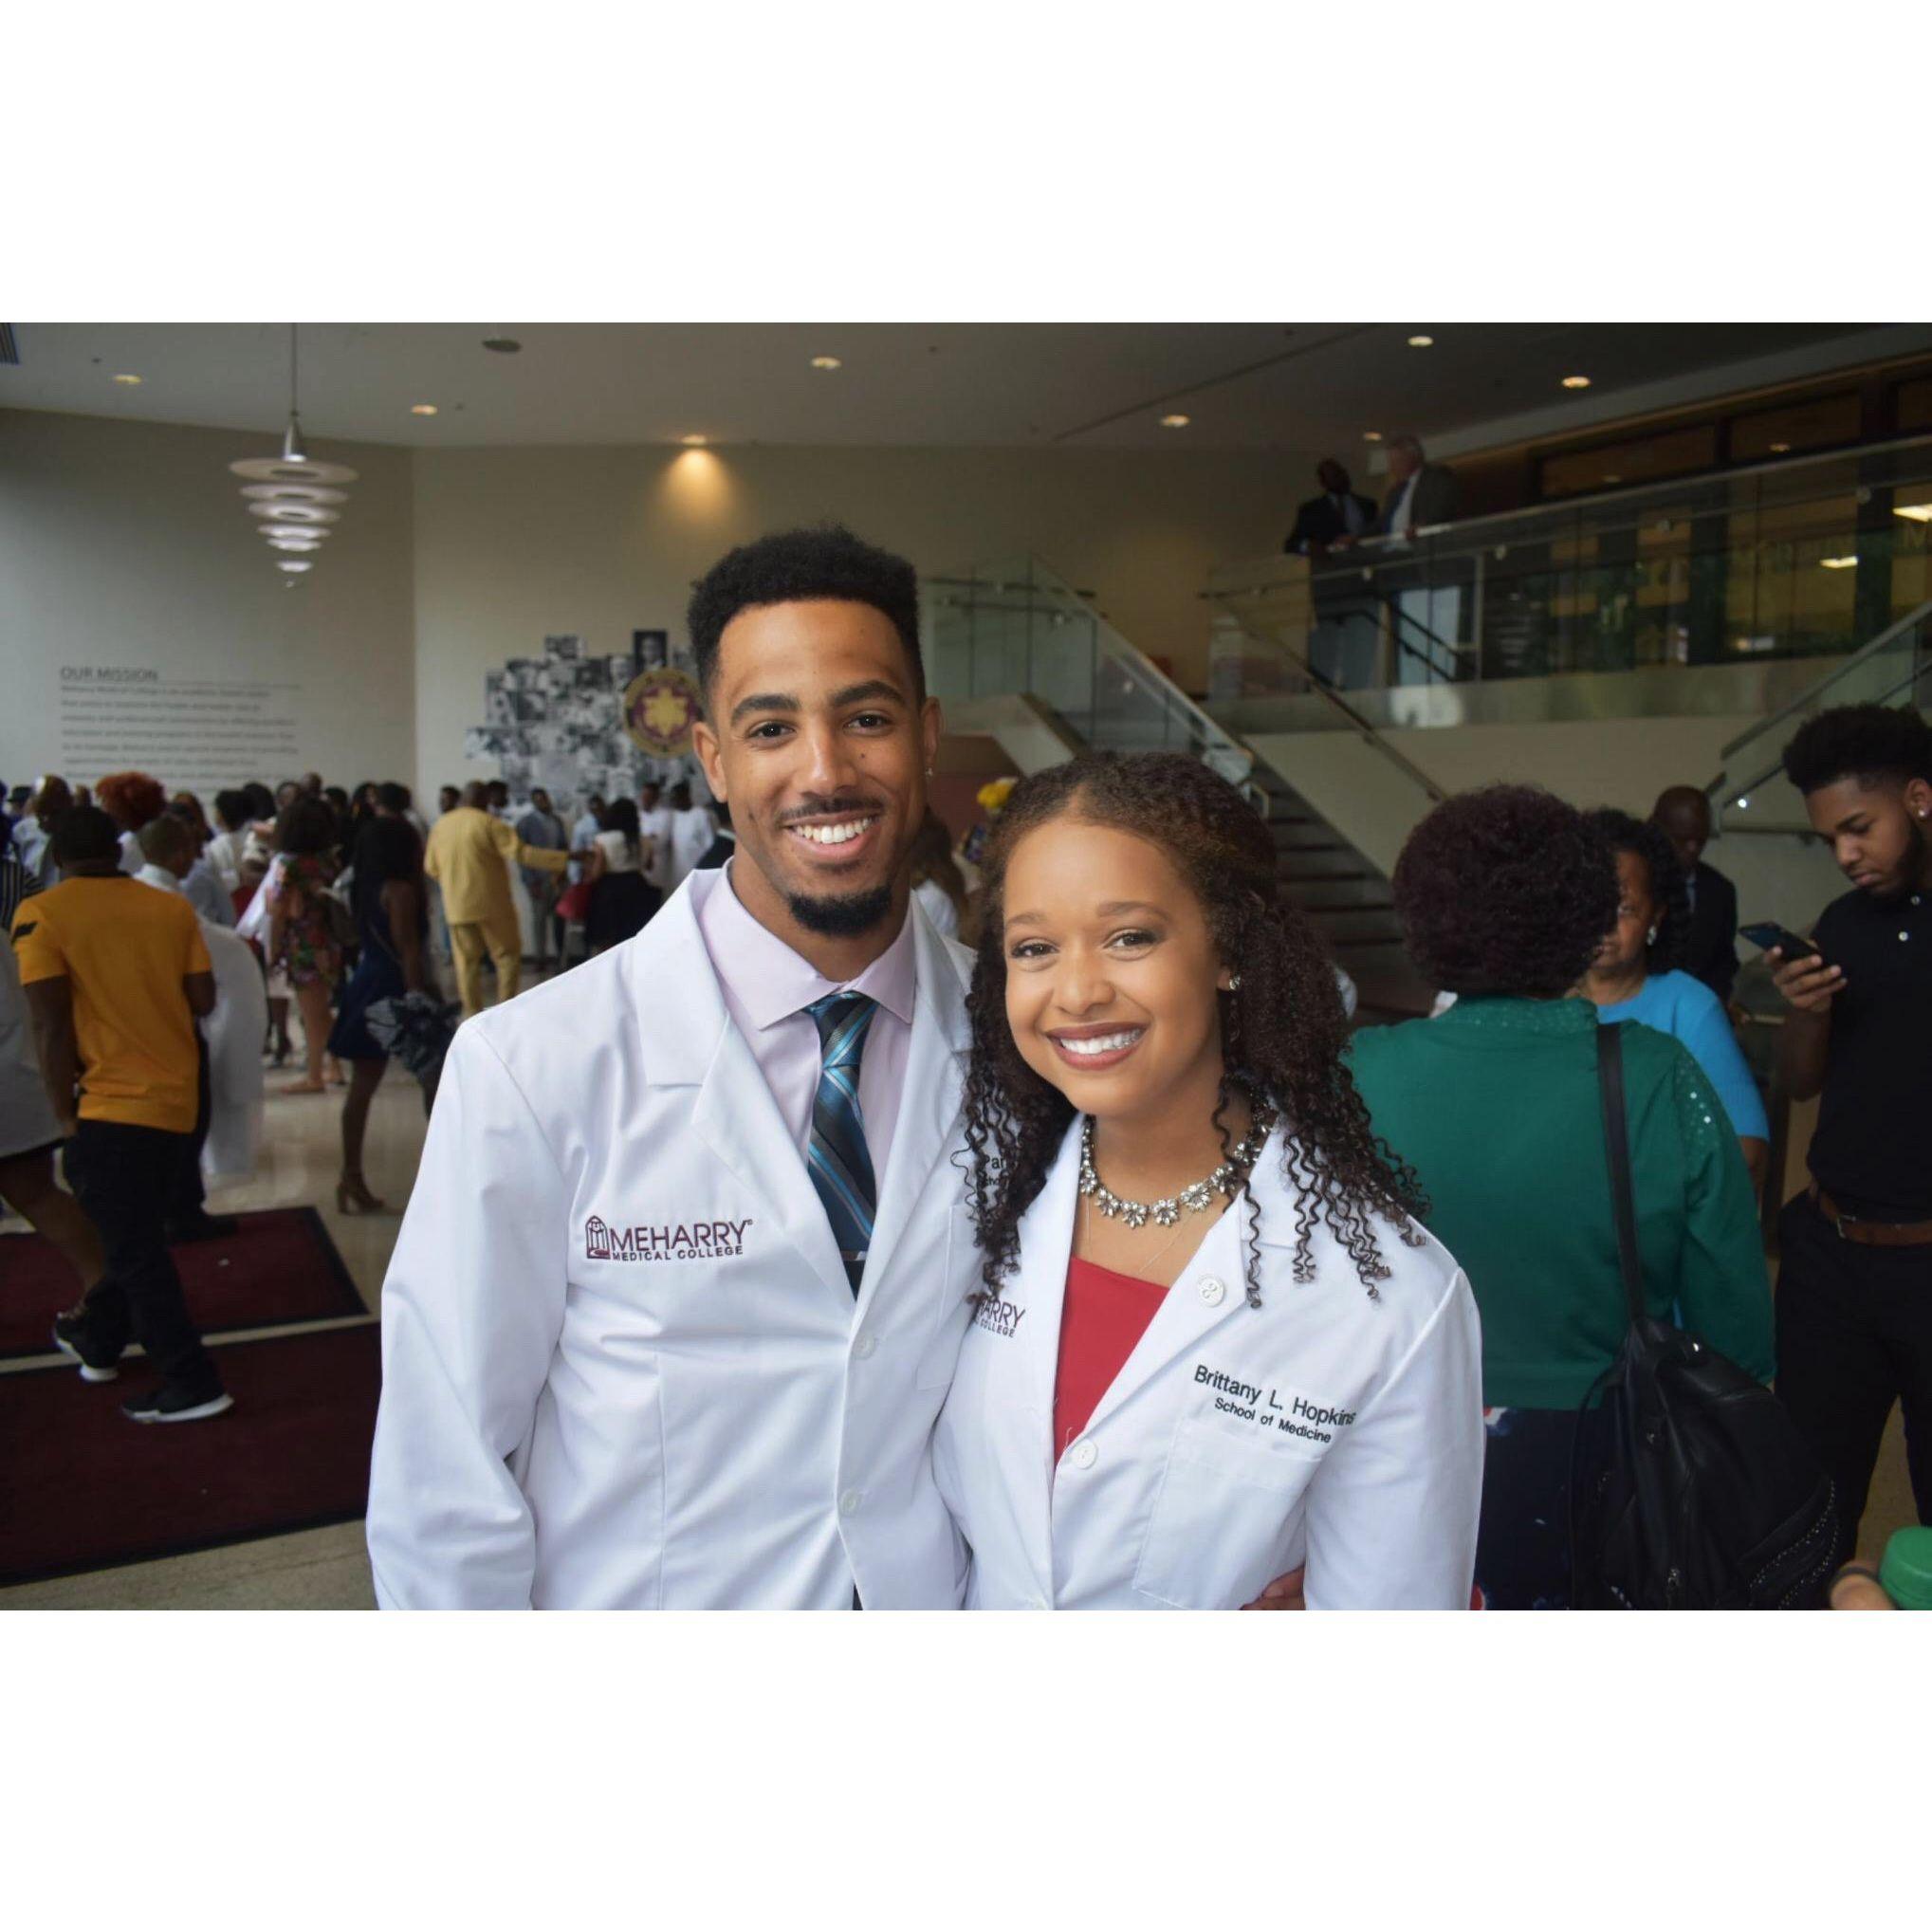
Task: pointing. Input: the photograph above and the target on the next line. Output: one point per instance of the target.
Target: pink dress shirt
(768, 986)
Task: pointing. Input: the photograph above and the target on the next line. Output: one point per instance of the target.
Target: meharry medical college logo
(692, 1240)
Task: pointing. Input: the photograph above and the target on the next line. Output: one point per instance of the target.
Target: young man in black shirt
(1854, 1292)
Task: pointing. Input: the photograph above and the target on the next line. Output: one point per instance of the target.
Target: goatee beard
(849, 916)
(1911, 868)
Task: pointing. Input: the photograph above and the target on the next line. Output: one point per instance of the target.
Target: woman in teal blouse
(1635, 976)
(1505, 896)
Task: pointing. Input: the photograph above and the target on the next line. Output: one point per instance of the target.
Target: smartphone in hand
(1767, 934)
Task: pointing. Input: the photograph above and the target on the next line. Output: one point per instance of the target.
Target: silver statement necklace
(1197, 1197)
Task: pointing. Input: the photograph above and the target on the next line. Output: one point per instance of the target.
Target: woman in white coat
(1213, 1342)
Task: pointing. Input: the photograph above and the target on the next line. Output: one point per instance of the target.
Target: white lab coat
(234, 1032)
(1340, 1431)
(692, 833)
(657, 825)
(720, 1424)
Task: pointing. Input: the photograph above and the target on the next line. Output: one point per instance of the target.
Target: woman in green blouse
(1504, 896)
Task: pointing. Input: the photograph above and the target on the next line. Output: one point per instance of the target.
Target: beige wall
(127, 544)
(1623, 762)
(515, 543)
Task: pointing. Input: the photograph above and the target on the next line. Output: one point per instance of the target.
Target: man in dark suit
(1341, 634)
(1420, 493)
(1683, 814)
(1338, 511)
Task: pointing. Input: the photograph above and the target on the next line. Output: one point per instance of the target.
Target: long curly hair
(1282, 1030)
(1645, 841)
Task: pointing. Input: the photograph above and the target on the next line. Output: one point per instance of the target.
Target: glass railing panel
(1792, 559)
(1018, 627)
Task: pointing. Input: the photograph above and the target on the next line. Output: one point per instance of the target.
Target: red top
(1104, 1318)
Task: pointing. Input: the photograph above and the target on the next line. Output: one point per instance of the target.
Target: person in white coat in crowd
(1211, 1341)
(658, 822)
(232, 1032)
(693, 828)
(684, 1274)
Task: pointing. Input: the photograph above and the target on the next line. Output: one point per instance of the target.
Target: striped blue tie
(840, 1160)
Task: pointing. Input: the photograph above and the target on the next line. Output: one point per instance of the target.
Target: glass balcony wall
(1798, 558)
(1018, 627)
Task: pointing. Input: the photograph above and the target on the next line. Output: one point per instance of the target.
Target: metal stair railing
(1351, 718)
(1908, 640)
(1121, 700)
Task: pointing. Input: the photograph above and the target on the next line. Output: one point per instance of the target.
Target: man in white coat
(683, 1280)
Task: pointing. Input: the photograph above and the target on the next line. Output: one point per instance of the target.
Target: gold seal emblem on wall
(660, 707)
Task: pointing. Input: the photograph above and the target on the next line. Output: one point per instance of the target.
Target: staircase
(1346, 899)
(996, 632)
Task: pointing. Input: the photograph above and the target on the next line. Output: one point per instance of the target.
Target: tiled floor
(328, 1569)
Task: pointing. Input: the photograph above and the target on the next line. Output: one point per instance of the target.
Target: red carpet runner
(81, 1487)
(278, 1266)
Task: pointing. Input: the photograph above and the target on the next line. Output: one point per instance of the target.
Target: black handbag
(1707, 1498)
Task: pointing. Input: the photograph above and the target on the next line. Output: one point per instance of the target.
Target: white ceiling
(1305, 386)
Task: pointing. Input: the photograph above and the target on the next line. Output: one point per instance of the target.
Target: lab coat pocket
(1227, 1518)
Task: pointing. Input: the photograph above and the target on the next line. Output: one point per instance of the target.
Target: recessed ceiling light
(1422, 341)
(1175, 422)
(694, 442)
(293, 564)
(1918, 512)
(1371, 436)
(1577, 382)
(131, 382)
(826, 363)
(502, 346)
(1779, 448)
(1837, 563)
(422, 409)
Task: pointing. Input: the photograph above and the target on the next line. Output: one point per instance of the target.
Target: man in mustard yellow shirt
(470, 855)
(116, 976)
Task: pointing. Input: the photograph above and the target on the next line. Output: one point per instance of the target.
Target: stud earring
(1234, 982)
(1652, 940)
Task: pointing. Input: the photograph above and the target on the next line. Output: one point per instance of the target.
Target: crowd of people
(1318, 1312)
(135, 1028)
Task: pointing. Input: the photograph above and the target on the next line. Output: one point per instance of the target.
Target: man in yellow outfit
(470, 855)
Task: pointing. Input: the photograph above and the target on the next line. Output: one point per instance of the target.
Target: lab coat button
(848, 1504)
(866, 1348)
(1083, 1454)
(1211, 1290)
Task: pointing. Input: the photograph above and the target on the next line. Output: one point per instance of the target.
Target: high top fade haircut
(799, 566)
(1873, 744)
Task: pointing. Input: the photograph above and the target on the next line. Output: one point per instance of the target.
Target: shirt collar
(770, 982)
(1510, 1013)
(158, 875)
